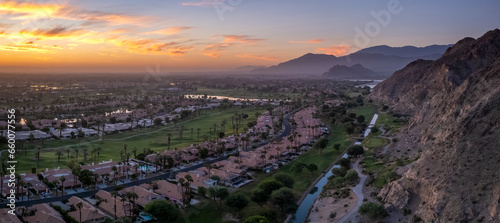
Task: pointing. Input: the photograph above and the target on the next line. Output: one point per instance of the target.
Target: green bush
(373, 210)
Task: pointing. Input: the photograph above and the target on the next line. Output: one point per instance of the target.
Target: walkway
(358, 190)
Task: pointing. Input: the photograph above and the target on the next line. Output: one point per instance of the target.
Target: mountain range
(454, 133)
(383, 60)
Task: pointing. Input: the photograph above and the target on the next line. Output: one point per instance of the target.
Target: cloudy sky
(209, 35)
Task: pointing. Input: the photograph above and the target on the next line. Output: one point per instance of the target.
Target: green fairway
(374, 142)
(153, 138)
(368, 111)
(390, 123)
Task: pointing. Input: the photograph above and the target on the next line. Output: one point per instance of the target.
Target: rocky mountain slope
(455, 125)
(356, 71)
(383, 59)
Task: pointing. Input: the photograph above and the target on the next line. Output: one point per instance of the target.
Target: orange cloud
(28, 10)
(308, 41)
(32, 10)
(257, 57)
(170, 30)
(23, 47)
(54, 33)
(239, 39)
(336, 50)
(214, 50)
(151, 46)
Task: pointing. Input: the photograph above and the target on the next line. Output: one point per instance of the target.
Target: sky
(213, 35)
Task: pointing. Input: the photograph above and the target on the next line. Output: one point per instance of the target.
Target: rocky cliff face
(455, 123)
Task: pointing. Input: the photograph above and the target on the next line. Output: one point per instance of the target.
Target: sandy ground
(324, 206)
(229, 217)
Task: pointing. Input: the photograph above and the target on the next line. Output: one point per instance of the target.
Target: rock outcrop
(455, 124)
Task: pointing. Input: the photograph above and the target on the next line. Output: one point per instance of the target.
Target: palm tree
(131, 196)
(115, 172)
(76, 149)
(278, 153)
(59, 153)
(37, 155)
(29, 185)
(99, 150)
(124, 148)
(85, 153)
(67, 150)
(135, 152)
(79, 206)
(62, 179)
(114, 194)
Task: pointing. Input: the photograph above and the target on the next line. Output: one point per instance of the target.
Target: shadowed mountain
(408, 51)
(454, 129)
(383, 59)
(355, 72)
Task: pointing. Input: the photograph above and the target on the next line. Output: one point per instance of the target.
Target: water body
(372, 123)
(308, 202)
(223, 97)
(371, 85)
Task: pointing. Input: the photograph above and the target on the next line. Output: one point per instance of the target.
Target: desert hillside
(455, 128)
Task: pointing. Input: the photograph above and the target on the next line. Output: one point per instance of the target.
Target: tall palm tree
(124, 148)
(98, 149)
(79, 206)
(135, 152)
(115, 172)
(62, 179)
(114, 194)
(76, 149)
(131, 196)
(59, 153)
(85, 153)
(29, 186)
(37, 155)
(68, 151)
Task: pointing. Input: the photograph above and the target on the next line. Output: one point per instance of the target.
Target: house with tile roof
(89, 213)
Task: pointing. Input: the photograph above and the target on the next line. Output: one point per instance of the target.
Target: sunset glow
(191, 35)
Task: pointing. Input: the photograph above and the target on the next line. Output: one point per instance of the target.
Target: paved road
(384, 151)
(286, 132)
(358, 190)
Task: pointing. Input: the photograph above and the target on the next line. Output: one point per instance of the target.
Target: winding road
(358, 190)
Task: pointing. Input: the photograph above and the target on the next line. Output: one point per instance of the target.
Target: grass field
(392, 124)
(374, 142)
(240, 93)
(368, 111)
(153, 138)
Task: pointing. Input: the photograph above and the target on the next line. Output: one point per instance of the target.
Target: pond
(223, 97)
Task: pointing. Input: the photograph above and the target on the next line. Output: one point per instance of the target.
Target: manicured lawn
(156, 139)
(391, 123)
(375, 142)
(367, 110)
